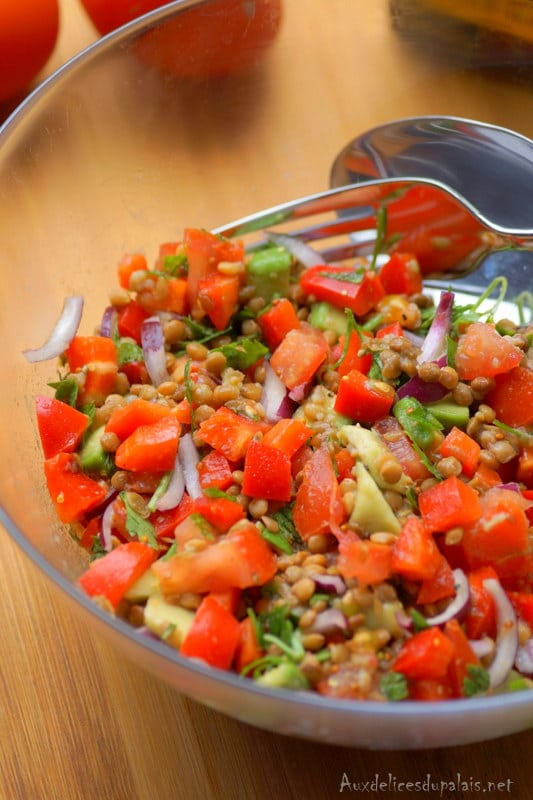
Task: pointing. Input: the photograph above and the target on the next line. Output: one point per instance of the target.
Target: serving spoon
(490, 167)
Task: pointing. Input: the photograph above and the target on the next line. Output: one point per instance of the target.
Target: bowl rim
(406, 709)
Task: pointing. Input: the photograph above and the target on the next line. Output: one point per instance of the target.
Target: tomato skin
(28, 34)
(359, 297)
(481, 351)
(318, 500)
(72, 493)
(369, 562)
(512, 397)
(299, 355)
(363, 399)
(61, 427)
(500, 532)
(150, 448)
(425, 655)
(112, 575)
(415, 554)
(213, 635)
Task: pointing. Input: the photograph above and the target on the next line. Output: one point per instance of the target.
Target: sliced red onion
(273, 395)
(329, 584)
(153, 345)
(109, 320)
(507, 633)
(302, 252)
(287, 408)
(175, 489)
(63, 333)
(424, 392)
(482, 647)
(404, 621)
(456, 606)
(524, 658)
(435, 342)
(330, 622)
(107, 527)
(188, 458)
(300, 392)
(511, 487)
(414, 338)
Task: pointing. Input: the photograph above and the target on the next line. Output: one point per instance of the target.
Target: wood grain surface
(78, 722)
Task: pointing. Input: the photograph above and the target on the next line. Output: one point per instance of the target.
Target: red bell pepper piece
(124, 420)
(228, 599)
(228, 433)
(392, 329)
(300, 354)
(239, 559)
(362, 398)
(361, 292)
(524, 470)
(449, 504)
(512, 397)
(430, 690)
(267, 473)
(112, 575)
(439, 587)
(215, 470)
(369, 562)
(318, 502)
(415, 555)
(220, 512)
(459, 444)
(248, 649)
(204, 251)
(501, 530)
(344, 462)
(463, 657)
(427, 654)
(218, 296)
(401, 274)
(86, 350)
(130, 320)
(213, 636)
(150, 448)
(73, 493)
(481, 351)
(165, 522)
(277, 321)
(135, 371)
(288, 435)
(522, 603)
(480, 619)
(352, 359)
(134, 262)
(61, 427)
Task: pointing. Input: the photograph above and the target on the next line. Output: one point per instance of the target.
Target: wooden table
(77, 721)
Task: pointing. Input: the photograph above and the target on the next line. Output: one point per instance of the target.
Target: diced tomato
(61, 427)
(501, 530)
(369, 562)
(183, 411)
(522, 603)
(72, 493)
(228, 432)
(415, 555)
(130, 320)
(100, 381)
(482, 352)
(427, 654)
(524, 472)
(449, 504)
(194, 527)
(400, 446)
(392, 329)
(512, 397)
(267, 472)
(300, 354)
(288, 435)
(360, 292)
(229, 598)
(248, 649)
(213, 635)
(527, 494)
(150, 448)
(463, 657)
(125, 419)
(214, 470)
(344, 462)
(363, 399)
(204, 251)
(165, 522)
(277, 321)
(480, 619)
(430, 690)
(241, 558)
(218, 296)
(318, 501)
(401, 274)
(86, 350)
(220, 512)
(485, 476)
(112, 575)
(135, 371)
(352, 359)
(439, 587)
(129, 264)
(466, 450)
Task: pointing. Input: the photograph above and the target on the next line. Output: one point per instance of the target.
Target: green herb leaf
(417, 421)
(128, 351)
(97, 549)
(350, 276)
(160, 490)
(277, 540)
(419, 620)
(243, 353)
(515, 431)
(137, 526)
(175, 265)
(350, 327)
(381, 232)
(214, 491)
(286, 526)
(393, 685)
(66, 390)
(477, 681)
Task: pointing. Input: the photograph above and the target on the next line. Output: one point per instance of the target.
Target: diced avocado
(269, 271)
(93, 457)
(371, 511)
(384, 615)
(143, 587)
(167, 621)
(326, 317)
(449, 413)
(374, 454)
(284, 676)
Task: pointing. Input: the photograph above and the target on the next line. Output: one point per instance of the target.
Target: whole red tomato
(28, 33)
(215, 39)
